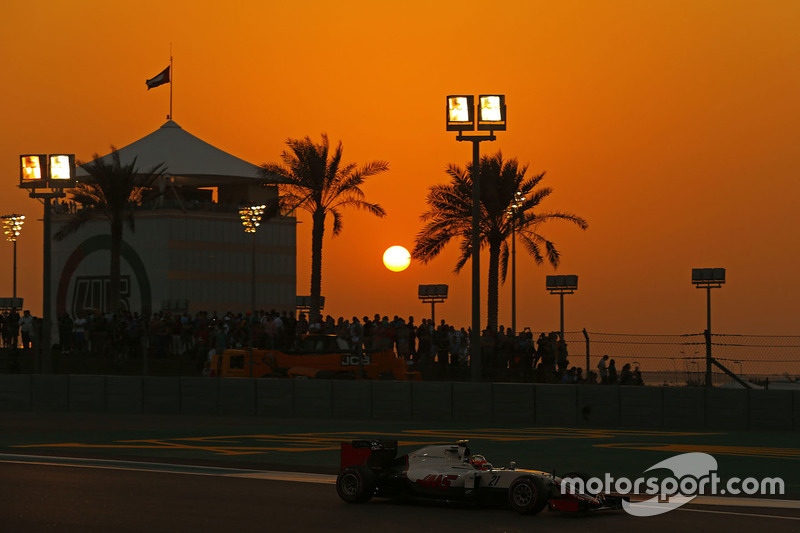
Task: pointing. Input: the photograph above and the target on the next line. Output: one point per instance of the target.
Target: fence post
(588, 367)
(708, 358)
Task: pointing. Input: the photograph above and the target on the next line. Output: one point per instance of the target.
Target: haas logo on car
(352, 360)
(432, 481)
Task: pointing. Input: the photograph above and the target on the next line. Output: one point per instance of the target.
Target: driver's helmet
(479, 462)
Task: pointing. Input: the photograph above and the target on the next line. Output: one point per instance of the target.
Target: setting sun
(396, 258)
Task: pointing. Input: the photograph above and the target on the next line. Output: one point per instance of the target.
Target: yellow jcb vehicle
(318, 357)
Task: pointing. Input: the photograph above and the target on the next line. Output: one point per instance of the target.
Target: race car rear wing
(369, 453)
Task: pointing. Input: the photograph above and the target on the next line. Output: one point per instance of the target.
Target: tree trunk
(317, 232)
(494, 280)
(113, 297)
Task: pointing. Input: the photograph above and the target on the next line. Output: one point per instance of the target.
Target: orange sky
(671, 126)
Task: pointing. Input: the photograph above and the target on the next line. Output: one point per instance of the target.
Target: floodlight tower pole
(53, 173)
(46, 284)
(708, 278)
(476, 366)
(461, 117)
(709, 383)
(476, 372)
(43, 362)
(251, 218)
(562, 285)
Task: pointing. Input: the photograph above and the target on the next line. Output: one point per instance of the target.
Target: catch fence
(680, 360)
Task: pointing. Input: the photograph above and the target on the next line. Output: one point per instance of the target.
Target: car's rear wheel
(527, 495)
(355, 484)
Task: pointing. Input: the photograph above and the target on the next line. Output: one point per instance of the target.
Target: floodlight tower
(251, 219)
(433, 294)
(46, 176)
(512, 213)
(562, 285)
(461, 117)
(12, 227)
(708, 278)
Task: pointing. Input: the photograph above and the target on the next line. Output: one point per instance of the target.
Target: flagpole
(171, 77)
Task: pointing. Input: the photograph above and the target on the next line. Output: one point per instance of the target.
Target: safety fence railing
(771, 361)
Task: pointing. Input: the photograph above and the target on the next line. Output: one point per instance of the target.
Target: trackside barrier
(16, 392)
(275, 398)
(684, 407)
(123, 394)
(352, 400)
(161, 395)
(432, 402)
(727, 408)
(469, 402)
(771, 409)
(641, 407)
(50, 392)
(313, 398)
(391, 400)
(556, 404)
(598, 406)
(236, 396)
(87, 394)
(484, 403)
(513, 403)
(199, 396)
(796, 409)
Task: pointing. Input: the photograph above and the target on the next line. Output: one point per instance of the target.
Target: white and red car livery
(452, 473)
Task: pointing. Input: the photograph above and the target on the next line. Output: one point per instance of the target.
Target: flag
(160, 79)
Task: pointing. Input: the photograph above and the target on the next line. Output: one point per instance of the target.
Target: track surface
(40, 497)
(228, 487)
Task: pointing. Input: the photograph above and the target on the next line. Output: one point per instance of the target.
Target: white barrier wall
(474, 403)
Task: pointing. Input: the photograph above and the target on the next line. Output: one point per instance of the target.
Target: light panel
(561, 283)
(33, 170)
(460, 113)
(432, 292)
(251, 217)
(12, 226)
(62, 170)
(492, 112)
(708, 276)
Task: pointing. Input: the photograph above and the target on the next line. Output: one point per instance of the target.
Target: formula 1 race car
(452, 473)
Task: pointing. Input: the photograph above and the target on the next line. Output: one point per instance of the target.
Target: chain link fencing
(771, 361)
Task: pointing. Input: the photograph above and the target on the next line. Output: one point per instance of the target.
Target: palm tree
(111, 191)
(320, 183)
(449, 216)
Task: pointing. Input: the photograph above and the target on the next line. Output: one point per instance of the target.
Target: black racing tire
(355, 484)
(527, 495)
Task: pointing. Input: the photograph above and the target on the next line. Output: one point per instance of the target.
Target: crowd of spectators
(440, 351)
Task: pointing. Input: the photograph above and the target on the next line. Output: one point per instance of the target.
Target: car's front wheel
(527, 495)
(355, 484)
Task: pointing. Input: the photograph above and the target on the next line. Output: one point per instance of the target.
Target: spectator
(404, 340)
(26, 329)
(602, 370)
(65, 332)
(626, 376)
(636, 377)
(612, 373)
(562, 357)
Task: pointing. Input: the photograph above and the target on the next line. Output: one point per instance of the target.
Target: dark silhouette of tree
(319, 182)
(449, 216)
(111, 191)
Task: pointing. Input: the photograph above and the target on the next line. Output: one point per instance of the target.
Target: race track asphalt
(313, 446)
